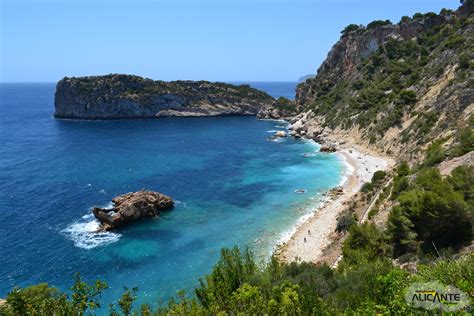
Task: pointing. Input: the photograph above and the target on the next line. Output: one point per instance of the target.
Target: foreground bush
(237, 286)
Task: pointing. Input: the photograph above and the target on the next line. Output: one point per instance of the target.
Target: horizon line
(225, 81)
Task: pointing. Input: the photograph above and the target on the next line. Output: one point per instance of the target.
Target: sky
(216, 40)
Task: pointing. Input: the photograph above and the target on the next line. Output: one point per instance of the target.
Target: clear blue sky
(223, 40)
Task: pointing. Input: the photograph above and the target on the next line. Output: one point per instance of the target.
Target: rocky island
(130, 207)
(117, 96)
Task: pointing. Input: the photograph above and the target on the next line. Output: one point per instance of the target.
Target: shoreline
(318, 226)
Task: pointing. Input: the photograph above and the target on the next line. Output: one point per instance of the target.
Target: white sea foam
(84, 232)
(84, 235)
(176, 202)
(277, 139)
(348, 170)
(286, 235)
(272, 131)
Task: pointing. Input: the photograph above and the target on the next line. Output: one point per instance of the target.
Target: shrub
(439, 213)
(407, 97)
(378, 176)
(465, 144)
(367, 187)
(454, 41)
(464, 60)
(377, 23)
(400, 184)
(350, 28)
(344, 222)
(400, 228)
(233, 269)
(42, 299)
(434, 154)
(364, 243)
(403, 169)
(283, 103)
(405, 19)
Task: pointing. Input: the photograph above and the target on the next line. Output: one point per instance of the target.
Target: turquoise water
(232, 183)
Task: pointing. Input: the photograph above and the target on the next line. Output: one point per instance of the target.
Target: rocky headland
(386, 93)
(391, 88)
(119, 96)
(131, 207)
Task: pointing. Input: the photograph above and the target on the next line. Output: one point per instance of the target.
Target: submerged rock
(328, 147)
(337, 191)
(130, 207)
(280, 134)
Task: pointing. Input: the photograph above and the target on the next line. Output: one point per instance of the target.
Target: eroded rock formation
(130, 207)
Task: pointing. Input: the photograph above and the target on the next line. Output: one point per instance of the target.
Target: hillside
(125, 96)
(394, 87)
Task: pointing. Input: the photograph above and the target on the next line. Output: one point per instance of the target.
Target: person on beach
(309, 232)
(305, 239)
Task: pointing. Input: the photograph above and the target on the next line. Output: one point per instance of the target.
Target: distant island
(118, 96)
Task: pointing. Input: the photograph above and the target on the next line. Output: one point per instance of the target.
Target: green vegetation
(345, 222)
(382, 93)
(351, 28)
(42, 299)
(284, 104)
(378, 23)
(364, 283)
(400, 181)
(375, 183)
(128, 86)
(434, 154)
(465, 140)
(433, 211)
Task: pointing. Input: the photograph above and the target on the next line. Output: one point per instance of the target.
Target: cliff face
(393, 87)
(128, 97)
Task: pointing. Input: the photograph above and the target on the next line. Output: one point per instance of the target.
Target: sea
(232, 182)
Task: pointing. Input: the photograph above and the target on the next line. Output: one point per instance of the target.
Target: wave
(348, 169)
(176, 202)
(277, 139)
(311, 209)
(84, 233)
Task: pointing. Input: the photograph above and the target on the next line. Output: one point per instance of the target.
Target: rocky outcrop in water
(118, 96)
(131, 207)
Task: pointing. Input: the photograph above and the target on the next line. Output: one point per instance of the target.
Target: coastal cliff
(393, 88)
(397, 101)
(128, 97)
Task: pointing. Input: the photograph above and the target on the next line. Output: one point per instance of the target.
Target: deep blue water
(233, 186)
(276, 89)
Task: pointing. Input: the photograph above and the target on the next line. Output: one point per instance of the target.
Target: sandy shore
(322, 223)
